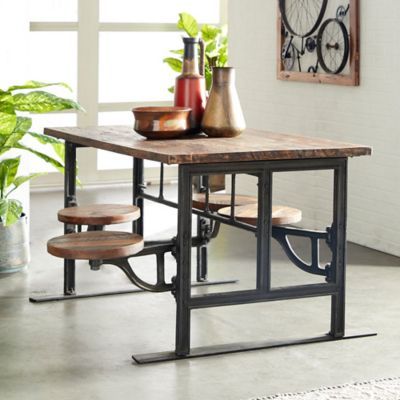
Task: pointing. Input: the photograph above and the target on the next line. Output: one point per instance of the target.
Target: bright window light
(132, 68)
(156, 11)
(53, 58)
(53, 10)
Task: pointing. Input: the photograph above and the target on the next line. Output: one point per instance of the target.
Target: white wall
(369, 114)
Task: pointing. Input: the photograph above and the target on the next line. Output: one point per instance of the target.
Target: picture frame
(294, 43)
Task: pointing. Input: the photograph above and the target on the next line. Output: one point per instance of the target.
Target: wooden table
(259, 154)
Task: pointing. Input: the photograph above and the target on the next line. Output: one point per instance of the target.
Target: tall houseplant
(16, 104)
(216, 46)
(15, 124)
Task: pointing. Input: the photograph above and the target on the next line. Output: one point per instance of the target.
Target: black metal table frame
(182, 245)
(335, 237)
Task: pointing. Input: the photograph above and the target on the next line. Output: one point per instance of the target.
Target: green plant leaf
(37, 85)
(5, 97)
(212, 50)
(223, 56)
(13, 139)
(8, 172)
(210, 33)
(208, 76)
(20, 180)
(14, 211)
(210, 47)
(3, 208)
(44, 139)
(174, 63)
(3, 139)
(59, 149)
(23, 124)
(10, 211)
(178, 52)
(57, 145)
(171, 89)
(50, 160)
(43, 102)
(8, 119)
(13, 165)
(3, 149)
(3, 180)
(188, 24)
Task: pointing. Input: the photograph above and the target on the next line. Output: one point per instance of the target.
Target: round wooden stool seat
(281, 215)
(220, 200)
(98, 245)
(99, 214)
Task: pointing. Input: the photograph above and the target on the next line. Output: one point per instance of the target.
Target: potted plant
(216, 46)
(14, 237)
(15, 127)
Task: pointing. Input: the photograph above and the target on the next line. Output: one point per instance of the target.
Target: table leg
(69, 200)
(335, 287)
(183, 292)
(264, 231)
(202, 251)
(138, 182)
(338, 244)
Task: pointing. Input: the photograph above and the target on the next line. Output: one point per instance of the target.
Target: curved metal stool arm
(281, 235)
(215, 230)
(208, 229)
(124, 265)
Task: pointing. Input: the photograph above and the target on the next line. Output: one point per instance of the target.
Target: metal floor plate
(244, 346)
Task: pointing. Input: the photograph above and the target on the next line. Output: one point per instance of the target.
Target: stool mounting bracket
(281, 235)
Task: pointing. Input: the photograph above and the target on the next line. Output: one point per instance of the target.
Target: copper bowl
(162, 122)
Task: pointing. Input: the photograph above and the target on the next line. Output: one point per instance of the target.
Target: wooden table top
(252, 145)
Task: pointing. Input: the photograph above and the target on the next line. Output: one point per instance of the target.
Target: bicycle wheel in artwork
(319, 41)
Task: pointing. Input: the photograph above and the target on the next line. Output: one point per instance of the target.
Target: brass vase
(223, 116)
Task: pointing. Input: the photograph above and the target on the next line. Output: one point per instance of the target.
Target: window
(158, 11)
(110, 52)
(53, 10)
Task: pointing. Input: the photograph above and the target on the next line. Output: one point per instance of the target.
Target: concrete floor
(82, 349)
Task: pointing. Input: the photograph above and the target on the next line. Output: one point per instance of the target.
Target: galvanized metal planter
(14, 246)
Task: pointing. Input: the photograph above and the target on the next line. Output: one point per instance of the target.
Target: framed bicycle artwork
(318, 41)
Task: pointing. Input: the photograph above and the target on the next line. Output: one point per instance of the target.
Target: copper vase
(223, 116)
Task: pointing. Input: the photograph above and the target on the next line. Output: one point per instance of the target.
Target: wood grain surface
(217, 201)
(99, 214)
(281, 215)
(98, 245)
(252, 145)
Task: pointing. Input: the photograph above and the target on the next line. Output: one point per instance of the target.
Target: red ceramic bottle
(190, 86)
